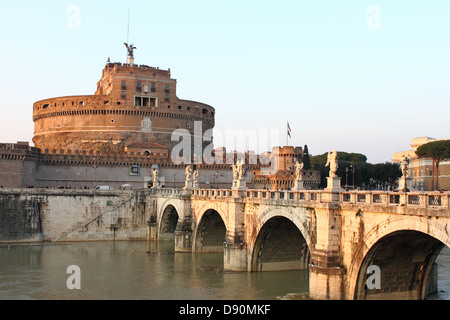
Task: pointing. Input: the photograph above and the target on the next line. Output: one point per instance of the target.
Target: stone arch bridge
(337, 236)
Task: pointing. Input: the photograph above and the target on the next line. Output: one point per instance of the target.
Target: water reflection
(134, 270)
(148, 271)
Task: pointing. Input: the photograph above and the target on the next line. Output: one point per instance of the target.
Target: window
(144, 102)
(138, 86)
(153, 88)
(167, 90)
(124, 85)
(166, 98)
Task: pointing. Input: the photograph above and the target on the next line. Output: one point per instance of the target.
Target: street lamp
(346, 177)
(347, 170)
(95, 173)
(405, 163)
(352, 167)
(217, 178)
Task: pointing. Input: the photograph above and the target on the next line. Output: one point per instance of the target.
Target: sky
(351, 75)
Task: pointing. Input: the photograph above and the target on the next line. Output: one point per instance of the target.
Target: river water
(145, 271)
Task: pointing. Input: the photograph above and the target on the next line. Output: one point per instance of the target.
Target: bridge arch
(168, 221)
(280, 242)
(404, 249)
(210, 232)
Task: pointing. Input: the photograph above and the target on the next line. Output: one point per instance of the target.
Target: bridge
(336, 235)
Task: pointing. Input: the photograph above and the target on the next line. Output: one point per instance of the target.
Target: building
(133, 104)
(420, 170)
(121, 133)
(281, 174)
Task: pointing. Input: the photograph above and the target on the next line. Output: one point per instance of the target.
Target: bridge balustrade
(384, 198)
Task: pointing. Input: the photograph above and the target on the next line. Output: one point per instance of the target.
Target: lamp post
(217, 178)
(95, 173)
(405, 163)
(346, 177)
(352, 170)
(352, 166)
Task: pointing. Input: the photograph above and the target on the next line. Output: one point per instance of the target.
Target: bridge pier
(326, 274)
(235, 257)
(152, 229)
(183, 236)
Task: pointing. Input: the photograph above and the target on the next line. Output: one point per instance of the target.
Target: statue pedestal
(334, 184)
(401, 184)
(156, 185)
(239, 185)
(188, 185)
(298, 185)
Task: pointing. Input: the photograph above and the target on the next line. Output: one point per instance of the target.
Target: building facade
(420, 170)
(281, 173)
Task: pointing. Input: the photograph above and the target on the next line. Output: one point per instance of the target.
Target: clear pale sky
(352, 75)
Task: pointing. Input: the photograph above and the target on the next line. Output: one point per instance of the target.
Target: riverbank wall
(56, 215)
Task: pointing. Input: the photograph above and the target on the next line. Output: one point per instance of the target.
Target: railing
(382, 198)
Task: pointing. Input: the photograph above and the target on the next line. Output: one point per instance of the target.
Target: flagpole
(288, 130)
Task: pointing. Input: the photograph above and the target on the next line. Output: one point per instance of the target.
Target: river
(145, 271)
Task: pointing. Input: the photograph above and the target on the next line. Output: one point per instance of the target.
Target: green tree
(366, 175)
(437, 151)
(305, 159)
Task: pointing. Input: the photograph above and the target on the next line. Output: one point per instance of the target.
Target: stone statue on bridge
(188, 180)
(195, 184)
(298, 170)
(332, 163)
(241, 168)
(333, 181)
(298, 182)
(156, 184)
(238, 175)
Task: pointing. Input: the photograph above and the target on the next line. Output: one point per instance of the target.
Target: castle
(135, 108)
(121, 133)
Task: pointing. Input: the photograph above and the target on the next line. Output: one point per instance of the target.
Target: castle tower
(134, 107)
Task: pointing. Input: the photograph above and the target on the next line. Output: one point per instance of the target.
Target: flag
(289, 130)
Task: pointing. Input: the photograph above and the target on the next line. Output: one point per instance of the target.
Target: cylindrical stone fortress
(134, 107)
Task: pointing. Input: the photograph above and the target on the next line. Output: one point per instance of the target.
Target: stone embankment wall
(72, 215)
(20, 218)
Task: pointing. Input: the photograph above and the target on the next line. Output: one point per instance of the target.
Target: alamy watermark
(374, 20)
(199, 147)
(74, 280)
(374, 280)
(74, 18)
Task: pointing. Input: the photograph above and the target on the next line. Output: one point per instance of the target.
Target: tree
(371, 176)
(305, 159)
(437, 151)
